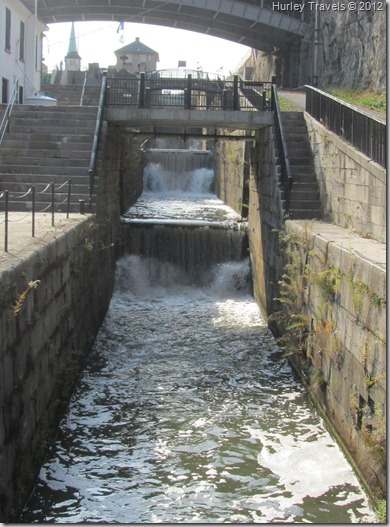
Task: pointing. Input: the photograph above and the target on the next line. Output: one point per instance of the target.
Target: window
(4, 91)
(21, 41)
(7, 29)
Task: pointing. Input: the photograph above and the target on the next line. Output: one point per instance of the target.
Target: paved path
(20, 241)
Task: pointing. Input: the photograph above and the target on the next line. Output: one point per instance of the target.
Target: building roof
(135, 47)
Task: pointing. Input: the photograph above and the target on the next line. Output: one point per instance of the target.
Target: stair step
(47, 154)
(44, 179)
(61, 170)
(300, 214)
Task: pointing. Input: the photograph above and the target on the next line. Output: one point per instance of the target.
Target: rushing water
(187, 411)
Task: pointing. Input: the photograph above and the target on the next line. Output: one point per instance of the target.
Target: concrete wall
(352, 187)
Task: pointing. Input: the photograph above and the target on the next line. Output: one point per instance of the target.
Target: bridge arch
(253, 23)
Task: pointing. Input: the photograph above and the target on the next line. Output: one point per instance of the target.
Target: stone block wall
(265, 220)
(43, 346)
(352, 187)
(229, 159)
(337, 302)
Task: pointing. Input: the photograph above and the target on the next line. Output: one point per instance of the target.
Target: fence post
(52, 204)
(188, 93)
(33, 212)
(142, 90)
(69, 193)
(235, 93)
(6, 221)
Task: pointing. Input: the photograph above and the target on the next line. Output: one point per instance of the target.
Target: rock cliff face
(351, 53)
(353, 49)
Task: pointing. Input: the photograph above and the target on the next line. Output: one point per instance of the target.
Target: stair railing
(282, 146)
(96, 138)
(8, 111)
(83, 90)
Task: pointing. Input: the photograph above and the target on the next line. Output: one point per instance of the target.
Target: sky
(97, 41)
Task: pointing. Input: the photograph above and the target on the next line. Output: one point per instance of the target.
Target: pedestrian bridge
(179, 98)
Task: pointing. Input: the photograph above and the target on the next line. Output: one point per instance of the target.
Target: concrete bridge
(253, 23)
(172, 99)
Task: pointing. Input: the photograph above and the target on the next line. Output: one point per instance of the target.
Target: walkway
(20, 242)
(298, 97)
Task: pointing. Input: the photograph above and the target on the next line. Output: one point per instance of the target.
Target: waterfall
(178, 220)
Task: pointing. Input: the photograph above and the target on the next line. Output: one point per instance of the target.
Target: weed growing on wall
(17, 307)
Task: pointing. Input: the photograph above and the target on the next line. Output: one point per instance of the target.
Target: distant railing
(8, 111)
(148, 91)
(29, 198)
(364, 132)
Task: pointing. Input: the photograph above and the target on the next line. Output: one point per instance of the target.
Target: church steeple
(72, 59)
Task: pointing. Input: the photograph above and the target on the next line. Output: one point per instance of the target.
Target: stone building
(136, 57)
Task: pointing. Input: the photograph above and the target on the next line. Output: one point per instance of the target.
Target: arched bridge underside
(253, 23)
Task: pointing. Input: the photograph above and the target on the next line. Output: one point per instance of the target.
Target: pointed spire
(72, 49)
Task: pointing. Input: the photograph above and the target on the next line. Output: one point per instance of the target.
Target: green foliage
(288, 106)
(364, 99)
(381, 511)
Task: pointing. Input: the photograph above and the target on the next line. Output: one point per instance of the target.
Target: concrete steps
(47, 145)
(70, 95)
(304, 197)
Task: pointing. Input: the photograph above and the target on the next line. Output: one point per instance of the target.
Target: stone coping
(21, 244)
(340, 244)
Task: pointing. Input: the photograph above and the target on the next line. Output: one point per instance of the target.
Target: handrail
(96, 138)
(10, 105)
(282, 146)
(364, 131)
(83, 90)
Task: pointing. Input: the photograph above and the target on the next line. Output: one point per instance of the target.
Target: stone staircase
(70, 95)
(46, 144)
(304, 198)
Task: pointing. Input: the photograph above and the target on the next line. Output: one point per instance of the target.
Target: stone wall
(43, 347)
(352, 186)
(334, 300)
(229, 161)
(352, 49)
(265, 220)
(351, 53)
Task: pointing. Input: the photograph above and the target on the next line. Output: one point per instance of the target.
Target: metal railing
(363, 131)
(287, 179)
(96, 139)
(8, 111)
(29, 198)
(189, 93)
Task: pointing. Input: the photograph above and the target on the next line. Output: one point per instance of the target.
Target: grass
(364, 99)
(288, 106)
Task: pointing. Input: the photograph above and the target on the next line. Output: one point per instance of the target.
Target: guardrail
(287, 179)
(8, 111)
(31, 194)
(189, 93)
(363, 131)
(96, 139)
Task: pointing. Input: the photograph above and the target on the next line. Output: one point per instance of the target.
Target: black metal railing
(96, 139)
(8, 111)
(287, 179)
(29, 198)
(363, 131)
(201, 93)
